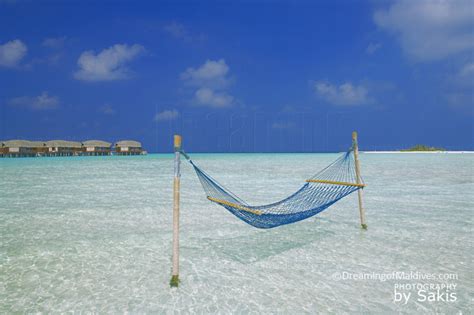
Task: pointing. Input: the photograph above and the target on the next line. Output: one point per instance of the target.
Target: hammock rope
(320, 191)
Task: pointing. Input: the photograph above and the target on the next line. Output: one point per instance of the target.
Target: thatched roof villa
(26, 148)
(21, 148)
(96, 147)
(128, 147)
(63, 148)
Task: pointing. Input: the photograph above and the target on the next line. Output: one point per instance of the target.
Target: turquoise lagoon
(93, 234)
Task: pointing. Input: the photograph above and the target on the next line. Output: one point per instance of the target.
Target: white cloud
(373, 47)
(109, 64)
(207, 96)
(212, 82)
(107, 109)
(179, 31)
(210, 74)
(169, 114)
(41, 102)
(345, 94)
(467, 70)
(430, 30)
(12, 52)
(54, 42)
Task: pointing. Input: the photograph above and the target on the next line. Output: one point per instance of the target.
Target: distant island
(422, 148)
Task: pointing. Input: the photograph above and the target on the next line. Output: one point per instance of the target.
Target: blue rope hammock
(330, 185)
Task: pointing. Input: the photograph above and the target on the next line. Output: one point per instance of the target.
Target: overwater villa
(128, 147)
(21, 148)
(63, 148)
(26, 148)
(96, 147)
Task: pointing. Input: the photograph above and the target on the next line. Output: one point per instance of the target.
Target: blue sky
(242, 76)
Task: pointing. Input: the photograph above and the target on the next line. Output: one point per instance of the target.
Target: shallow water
(93, 234)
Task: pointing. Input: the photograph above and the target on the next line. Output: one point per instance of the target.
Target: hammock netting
(331, 184)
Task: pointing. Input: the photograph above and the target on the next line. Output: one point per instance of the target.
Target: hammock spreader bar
(233, 205)
(334, 183)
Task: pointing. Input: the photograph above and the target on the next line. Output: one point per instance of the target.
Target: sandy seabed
(93, 234)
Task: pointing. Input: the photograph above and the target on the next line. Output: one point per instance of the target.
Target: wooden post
(177, 148)
(358, 180)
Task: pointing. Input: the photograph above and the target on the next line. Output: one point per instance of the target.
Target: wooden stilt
(177, 148)
(358, 180)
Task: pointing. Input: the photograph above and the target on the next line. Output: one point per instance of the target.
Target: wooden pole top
(354, 136)
(177, 142)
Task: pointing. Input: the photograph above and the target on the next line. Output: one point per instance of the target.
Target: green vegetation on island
(421, 147)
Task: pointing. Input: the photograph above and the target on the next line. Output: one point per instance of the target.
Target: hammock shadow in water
(267, 243)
